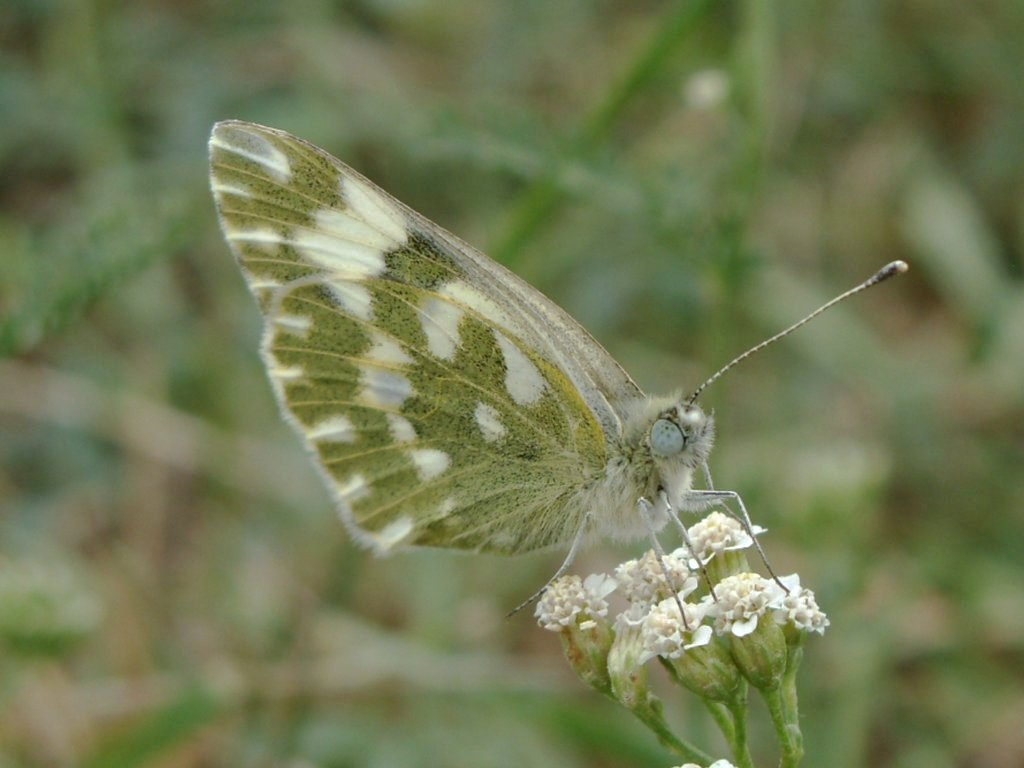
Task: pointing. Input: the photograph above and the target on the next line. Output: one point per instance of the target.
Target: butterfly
(446, 402)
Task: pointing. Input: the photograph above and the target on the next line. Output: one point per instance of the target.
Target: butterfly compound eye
(666, 438)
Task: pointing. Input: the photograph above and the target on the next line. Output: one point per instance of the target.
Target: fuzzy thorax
(664, 441)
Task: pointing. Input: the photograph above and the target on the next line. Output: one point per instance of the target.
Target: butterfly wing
(446, 402)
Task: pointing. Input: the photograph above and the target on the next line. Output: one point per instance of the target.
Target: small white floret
(570, 601)
(666, 634)
(643, 580)
(799, 608)
(717, 533)
(742, 599)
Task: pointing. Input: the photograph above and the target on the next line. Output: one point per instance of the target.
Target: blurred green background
(685, 178)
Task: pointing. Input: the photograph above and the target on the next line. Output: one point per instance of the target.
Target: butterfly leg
(686, 540)
(574, 549)
(697, 500)
(647, 513)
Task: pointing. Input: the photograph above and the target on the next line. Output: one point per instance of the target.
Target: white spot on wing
(258, 239)
(353, 489)
(522, 379)
(286, 372)
(335, 429)
(483, 305)
(342, 244)
(354, 299)
(256, 148)
(383, 389)
(387, 350)
(296, 324)
(489, 422)
(372, 207)
(429, 462)
(503, 539)
(228, 188)
(440, 320)
(401, 430)
(392, 534)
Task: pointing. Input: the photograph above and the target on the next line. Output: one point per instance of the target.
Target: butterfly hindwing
(418, 374)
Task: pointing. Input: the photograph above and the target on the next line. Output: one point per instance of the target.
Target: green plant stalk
(788, 733)
(740, 750)
(789, 695)
(650, 714)
(722, 717)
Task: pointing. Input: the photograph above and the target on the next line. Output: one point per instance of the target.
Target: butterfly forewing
(418, 372)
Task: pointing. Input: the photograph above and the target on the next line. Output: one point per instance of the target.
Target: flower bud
(578, 611)
(688, 650)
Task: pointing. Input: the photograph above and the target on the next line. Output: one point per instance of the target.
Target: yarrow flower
(688, 652)
(643, 583)
(741, 600)
(578, 610)
(666, 634)
(719, 533)
(799, 609)
(573, 601)
(625, 660)
(760, 625)
(757, 647)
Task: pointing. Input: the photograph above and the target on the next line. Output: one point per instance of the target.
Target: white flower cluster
(742, 600)
(717, 533)
(664, 634)
(571, 601)
(733, 609)
(643, 581)
(799, 609)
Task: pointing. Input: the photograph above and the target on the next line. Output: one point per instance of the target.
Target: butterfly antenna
(889, 270)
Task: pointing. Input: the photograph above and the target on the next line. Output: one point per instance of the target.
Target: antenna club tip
(891, 269)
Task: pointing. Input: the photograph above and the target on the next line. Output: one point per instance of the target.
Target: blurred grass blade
(161, 732)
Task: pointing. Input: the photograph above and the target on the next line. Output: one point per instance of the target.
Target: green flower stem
(649, 713)
(794, 657)
(740, 750)
(789, 698)
(723, 719)
(788, 733)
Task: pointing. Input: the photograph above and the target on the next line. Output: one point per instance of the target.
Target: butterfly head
(682, 433)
